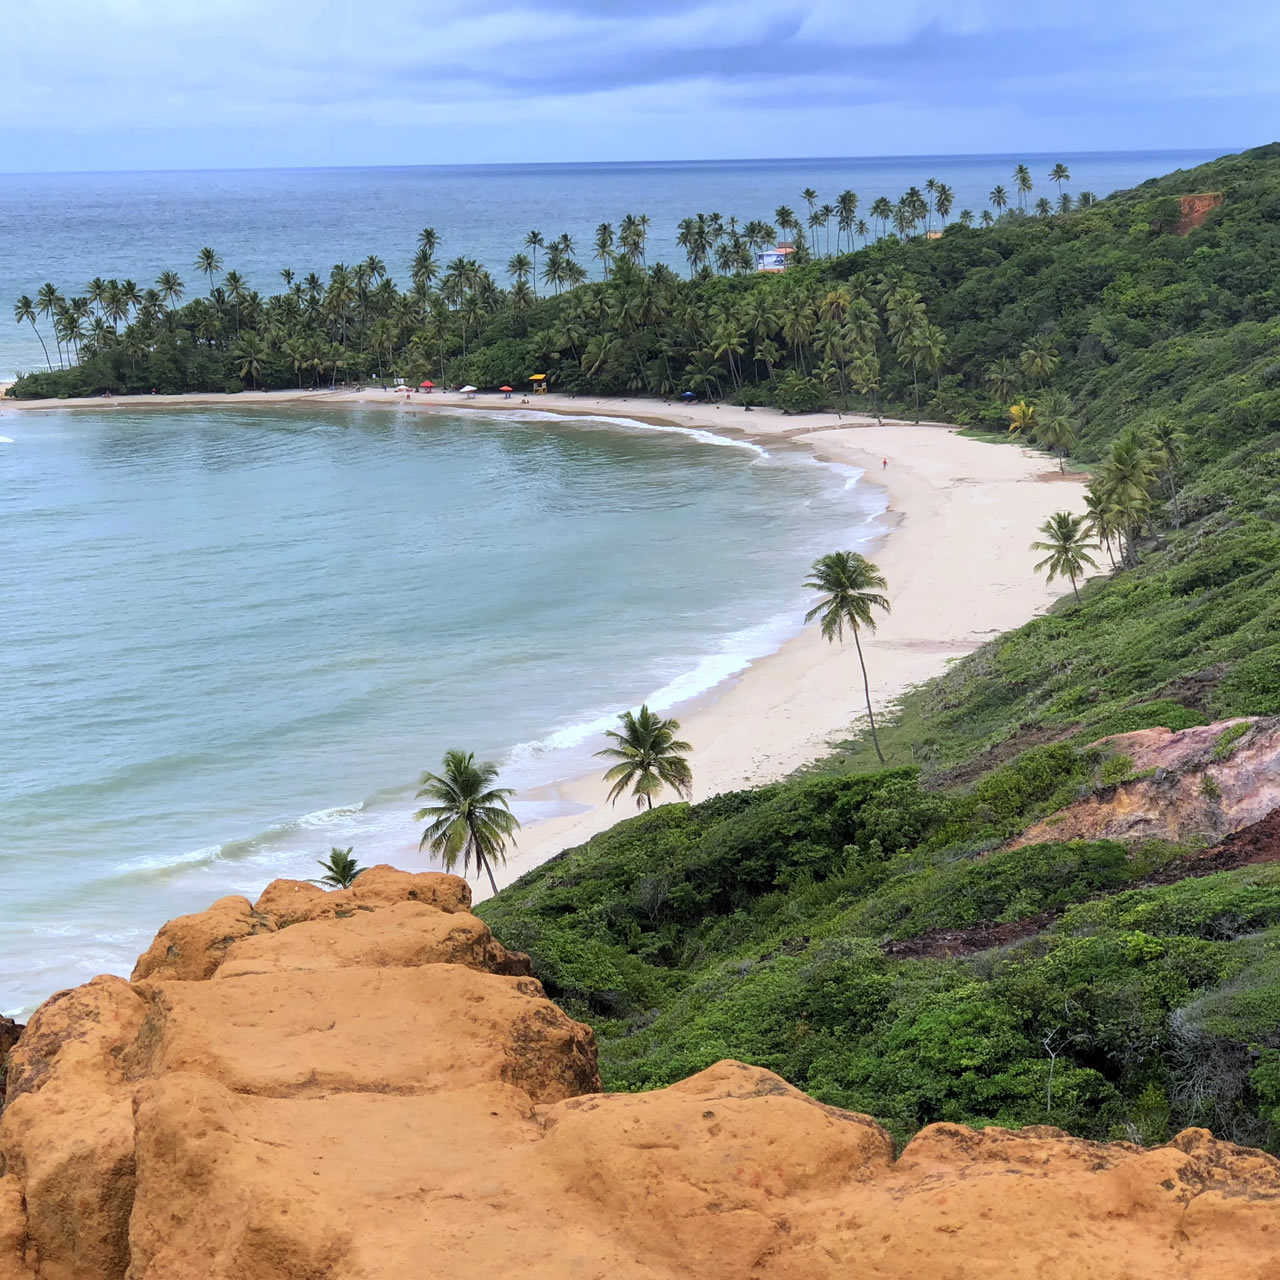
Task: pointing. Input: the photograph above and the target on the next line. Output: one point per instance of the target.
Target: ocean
(234, 637)
(69, 228)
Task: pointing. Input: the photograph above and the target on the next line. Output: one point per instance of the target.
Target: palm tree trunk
(1074, 588)
(866, 688)
(484, 862)
(648, 799)
(43, 347)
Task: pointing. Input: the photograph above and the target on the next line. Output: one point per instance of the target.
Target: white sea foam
(735, 653)
(6, 439)
(701, 434)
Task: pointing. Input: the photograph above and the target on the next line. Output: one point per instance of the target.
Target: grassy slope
(752, 925)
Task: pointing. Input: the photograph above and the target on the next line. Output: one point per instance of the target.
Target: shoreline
(961, 514)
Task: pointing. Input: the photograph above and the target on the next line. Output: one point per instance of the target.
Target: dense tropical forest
(843, 325)
(1105, 990)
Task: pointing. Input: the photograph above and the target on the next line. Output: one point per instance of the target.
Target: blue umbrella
(687, 395)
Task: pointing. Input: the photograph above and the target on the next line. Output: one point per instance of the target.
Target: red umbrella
(426, 382)
(504, 388)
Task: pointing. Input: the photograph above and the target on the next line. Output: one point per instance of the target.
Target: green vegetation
(340, 869)
(470, 817)
(649, 756)
(1225, 747)
(761, 925)
(866, 932)
(1065, 541)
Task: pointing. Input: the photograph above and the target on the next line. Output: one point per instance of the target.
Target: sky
(136, 84)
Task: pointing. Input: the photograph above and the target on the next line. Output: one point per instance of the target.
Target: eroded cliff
(366, 1085)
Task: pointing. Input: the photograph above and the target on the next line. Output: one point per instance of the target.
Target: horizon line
(622, 164)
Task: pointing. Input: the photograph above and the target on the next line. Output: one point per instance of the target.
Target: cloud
(158, 68)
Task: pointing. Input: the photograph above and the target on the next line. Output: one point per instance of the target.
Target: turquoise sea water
(233, 637)
(68, 228)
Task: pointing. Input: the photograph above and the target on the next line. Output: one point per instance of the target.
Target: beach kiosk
(539, 381)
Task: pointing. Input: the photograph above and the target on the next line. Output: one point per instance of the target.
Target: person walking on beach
(884, 463)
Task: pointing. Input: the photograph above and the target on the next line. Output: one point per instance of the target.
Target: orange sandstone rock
(357, 1085)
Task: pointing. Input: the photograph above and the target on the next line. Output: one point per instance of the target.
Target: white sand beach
(957, 560)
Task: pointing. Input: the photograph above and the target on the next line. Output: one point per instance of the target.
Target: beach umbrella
(687, 395)
(468, 387)
(427, 383)
(506, 392)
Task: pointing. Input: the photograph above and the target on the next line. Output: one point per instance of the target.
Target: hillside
(1097, 984)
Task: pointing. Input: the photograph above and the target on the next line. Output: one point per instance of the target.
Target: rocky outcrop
(1194, 784)
(366, 1085)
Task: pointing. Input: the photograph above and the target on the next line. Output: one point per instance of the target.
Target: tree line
(640, 328)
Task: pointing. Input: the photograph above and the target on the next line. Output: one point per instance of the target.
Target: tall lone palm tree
(851, 587)
(649, 756)
(469, 817)
(340, 869)
(1066, 541)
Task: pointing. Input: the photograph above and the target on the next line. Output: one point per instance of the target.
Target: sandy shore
(957, 560)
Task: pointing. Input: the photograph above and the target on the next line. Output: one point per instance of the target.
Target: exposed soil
(1251, 845)
(1259, 842)
(946, 943)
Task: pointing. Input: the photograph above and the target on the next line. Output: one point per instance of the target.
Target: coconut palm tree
(882, 211)
(1038, 359)
(24, 310)
(535, 241)
(1059, 174)
(604, 247)
(250, 351)
(846, 216)
(999, 198)
(985, 218)
(1054, 427)
(1101, 521)
(209, 261)
(171, 287)
(1126, 480)
(1066, 541)
(1043, 207)
(851, 588)
(340, 869)
(1022, 416)
(1167, 444)
(649, 756)
(1022, 179)
(468, 815)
